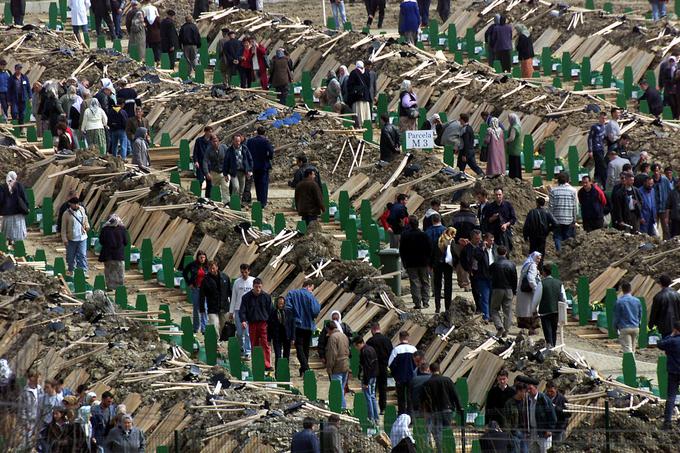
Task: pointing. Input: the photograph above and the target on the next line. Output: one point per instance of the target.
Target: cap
(18, 66)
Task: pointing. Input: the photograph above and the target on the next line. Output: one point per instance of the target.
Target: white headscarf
(405, 85)
(360, 65)
(531, 259)
(514, 119)
(150, 12)
(94, 106)
(400, 430)
(338, 323)
(432, 119)
(11, 179)
(495, 128)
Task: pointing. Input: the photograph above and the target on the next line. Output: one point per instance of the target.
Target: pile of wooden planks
(607, 279)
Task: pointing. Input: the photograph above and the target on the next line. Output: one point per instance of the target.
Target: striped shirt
(562, 202)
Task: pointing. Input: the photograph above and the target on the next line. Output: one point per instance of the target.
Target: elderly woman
(125, 438)
(359, 92)
(140, 148)
(408, 107)
(333, 93)
(529, 291)
(494, 141)
(343, 76)
(514, 146)
(94, 124)
(113, 239)
(68, 100)
(13, 208)
(51, 107)
(525, 50)
(401, 435)
(138, 35)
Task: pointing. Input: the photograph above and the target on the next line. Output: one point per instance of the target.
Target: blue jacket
(305, 441)
(409, 16)
(4, 81)
(304, 307)
(401, 363)
(433, 233)
(662, 189)
(261, 151)
(627, 312)
(671, 346)
(19, 89)
(596, 138)
(229, 167)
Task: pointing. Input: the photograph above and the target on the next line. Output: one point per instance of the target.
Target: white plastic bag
(449, 256)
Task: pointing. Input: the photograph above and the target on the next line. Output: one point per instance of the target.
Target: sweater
(231, 166)
(308, 198)
(671, 346)
(113, 240)
(119, 441)
(304, 307)
(337, 353)
(415, 249)
(369, 364)
(255, 308)
(401, 363)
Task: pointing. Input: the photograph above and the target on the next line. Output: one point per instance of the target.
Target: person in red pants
(256, 307)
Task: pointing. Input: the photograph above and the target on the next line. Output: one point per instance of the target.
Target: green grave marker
(573, 160)
(279, 222)
(257, 360)
(47, 216)
(662, 375)
(234, 351)
(643, 336)
(187, 328)
(53, 12)
(607, 75)
(79, 282)
(452, 38)
(256, 214)
(195, 187)
(184, 155)
(235, 201)
(19, 249)
(215, 194)
(59, 266)
(629, 370)
(389, 418)
(99, 283)
(141, 304)
(146, 257)
(283, 370)
(583, 294)
(610, 303)
(528, 151)
(309, 385)
(211, 345)
(168, 268)
(628, 82)
(335, 396)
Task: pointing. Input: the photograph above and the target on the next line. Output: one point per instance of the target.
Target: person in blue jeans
(4, 83)
(18, 93)
(658, 9)
(74, 228)
(338, 9)
(671, 346)
(194, 273)
(117, 120)
(337, 357)
(368, 359)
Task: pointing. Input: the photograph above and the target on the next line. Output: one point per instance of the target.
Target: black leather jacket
(503, 274)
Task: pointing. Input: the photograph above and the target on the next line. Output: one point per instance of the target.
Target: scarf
(495, 129)
(11, 180)
(150, 12)
(400, 430)
(530, 259)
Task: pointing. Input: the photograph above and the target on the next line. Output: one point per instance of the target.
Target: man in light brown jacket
(337, 357)
(74, 228)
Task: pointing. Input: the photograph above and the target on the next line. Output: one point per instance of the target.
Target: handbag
(228, 331)
(413, 112)
(524, 285)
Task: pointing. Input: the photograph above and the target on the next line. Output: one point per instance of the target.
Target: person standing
(280, 330)
(359, 93)
(190, 40)
(79, 17)
(503, 289)
(308, 198)
(627, 205)
(653, 98)
(424, 10)
(338, 10)
(169, 37)
(443, 9)
(117, 15)
(401, 436)
(537, 226)
(102, 13)
(140, 149)
(232, 51)
(498, 218)
(541, 417)
(674, 210)
(256, 308)
(390, 139)
(281, 74)
(401, 365)
(259, 63)
(671, 346)
(627, 316)
(415, 251)
(215, 291)
(441, 270)
(502, 39)
(408, 107)
(662, 189)
(464, 221)
(134, 123)
(304, 308)
(396, 219)
(596, 139)
(29, 409)
(495, 142)
(466, 153)
(665, 309)
(529, 293)
(113, 239)
(516, 416)
(214, 163)
(409, 20)
(201, 146)
(548, 308)
(612, 131)
(383, 349)
(593, 202)
(658, 9)
(117, 120)
(125, 437)
(222, 63)
(614, 169)
(337, 357)
(262, 153)
(336, 318)
(153, 29)
(18, 93)
(74, 228)
(499, 394)
(490, 39)
(242, 285)
(563, 206)
(237, 166)
(560, 404)
(368, 359)
(331, 440)
(477, 256)
(94, 125)
(439, 402)
(13, 209)
(18, 9)
(648, 208)
(525, 51)
(514, 147)
(305, 441)
(194, 274)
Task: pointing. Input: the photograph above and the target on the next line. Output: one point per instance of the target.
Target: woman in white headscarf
(94, 124)
(400, 434)
(113, 239)
(529, 296)
(359, 92)
(13, 208)
(495, 142)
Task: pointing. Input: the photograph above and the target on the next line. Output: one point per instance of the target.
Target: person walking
(529, 293)
(117, 120)
(499, 394)
(169, 37)
(201, 146)
(256, 308)
(593, 203)
(415, 251)
(464, 221)
(564, 208)
(102, 13)
(280, 330)
(94, 126)
(214, 162)
(153, 29)
(503, 289)
(560, 405)
(439, 403)
(662, 189)
(674, 210)
(627, 316)
(140, 149)
(596, 139)
(18, 92)
(194, 273)
(541, 417)
(401, 365)
(396, 219)
(548, 308)
(478, 256)
(408, 107)
(626, 205)
(308, 198)
(237, 166)
(281, 74)
(359, 93)
(338, 10)
(498, 217)
(215, 291)
(304, 308)
(190, 40)
(409, 20)
(262, 153)
(390, 139)
(113, 239)
(537, 226)
(495, 142)
(502, 39)
(13, 209)
(648, 209)
(383, 349)
(74, 228)
(525, 51)
(337, 358)
(368, 359)
(671, 346)
(441, 270)
(490, 39)
(79, 17)
(466, 152)
(665, 309)
(125, 437)
(614, 168)
(336, 318)
(242, 285)
(514, 146)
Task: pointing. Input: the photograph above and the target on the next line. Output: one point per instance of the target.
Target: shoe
(499, 332)
(436, 311)
(426, 305)
(269, 368)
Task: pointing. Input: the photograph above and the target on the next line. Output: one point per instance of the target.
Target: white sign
(420, 139)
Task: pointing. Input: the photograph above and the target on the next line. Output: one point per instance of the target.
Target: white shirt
(77, 226)
(489, 254)
(241, 287)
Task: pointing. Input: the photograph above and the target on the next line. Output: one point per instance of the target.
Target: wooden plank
(607, 279)
(352, 185)
(448, 358)
(164, 432)
(483, 376)
(244, 254)
(23, 360)
(132, 402)
(340, 304)
(547, 38)
(210, 246)
(457, 364)
(386, 322)
(369, 193)
(148, 416)
(76, 377)
(51, 364)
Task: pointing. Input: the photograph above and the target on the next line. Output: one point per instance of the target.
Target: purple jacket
(501, 36)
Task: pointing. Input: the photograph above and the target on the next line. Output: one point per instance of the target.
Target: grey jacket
(213, 159)
(140, 153)
(118, 441)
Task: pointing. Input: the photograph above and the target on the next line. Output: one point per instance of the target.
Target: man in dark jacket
(18, 93)
(593, 202)
(117, 120)
(498, 217)
(464, 221)
(674, 210)
(653, 98)
(398, 213)
(281, 74)
(596, 139)
(305, 441)
(233, 51)
(499, 394)
(671, 346)
(553, 293)
(368, 359)
(439, 401)
(190, 40)
(256, 308)
(503, 289)
(537, 226)
(389, 139)
(303, 164)
(441, 270)
(415, 251)
(476, 257)
(169, 38)
(308, 198)
(383, 349)
(627, 205)
(560, 405)
(18, 9)
(402, 368)
(216, 291)
(201, 145)
(262, 152)
(415, 387)
(102, 12)
(665, 308)
(280, 328)
(541, 417)
(238, 165)
(466, 153)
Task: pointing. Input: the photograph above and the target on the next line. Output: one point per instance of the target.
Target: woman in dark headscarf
(140, 148)
(113, 239)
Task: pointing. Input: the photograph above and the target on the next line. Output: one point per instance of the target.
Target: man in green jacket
(553, 293)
